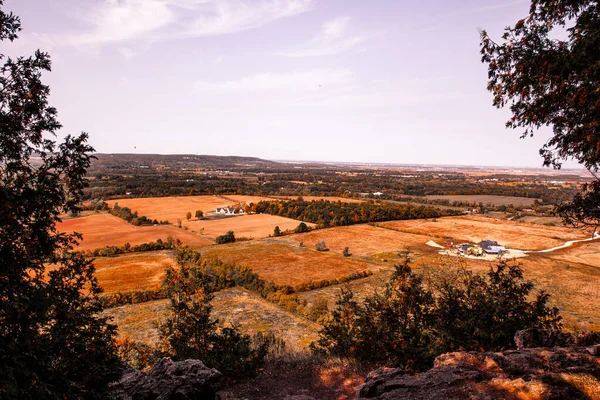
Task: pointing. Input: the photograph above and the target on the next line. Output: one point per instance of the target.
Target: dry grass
(254, 314)
(132, 271)
(487, 199)
(475, 228)
(251, 225)
(362, 240)
(574, 288)
(582, 253)
(101, 230)
(288, 265)
(171, 208)
(232, 307)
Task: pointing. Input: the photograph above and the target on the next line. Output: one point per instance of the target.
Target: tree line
(326, 213)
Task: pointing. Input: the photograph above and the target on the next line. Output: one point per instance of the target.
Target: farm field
(286, 264)
(317, 198)
(487, 199)
(475, 228)
(583, 253)
(231, 306)
(133, 271)
(101, 230)
(250, 225)
(171, 208)
(362, 240)
(574, 287)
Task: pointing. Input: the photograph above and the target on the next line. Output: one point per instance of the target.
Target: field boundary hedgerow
(222, 276)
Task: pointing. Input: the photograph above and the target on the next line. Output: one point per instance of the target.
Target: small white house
(229, 211)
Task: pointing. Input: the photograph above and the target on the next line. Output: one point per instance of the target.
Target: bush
(321, 246)
(346, 252)
(191, 332)
(229, 237)
(302, 227)
(413, 320)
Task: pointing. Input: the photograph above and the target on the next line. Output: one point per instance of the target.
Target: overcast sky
(392, 81)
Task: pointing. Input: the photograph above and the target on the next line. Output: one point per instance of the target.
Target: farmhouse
(230, 211)
(491, 247)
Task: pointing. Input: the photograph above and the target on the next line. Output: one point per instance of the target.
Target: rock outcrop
(546, 365)
(169, 380)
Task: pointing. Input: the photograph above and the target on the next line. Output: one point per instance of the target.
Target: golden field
(512, 234)
(250, 226)
(287, 264)
(171, 208)
(362, 240)
(571, 275)
(101, 230)
(133, 271)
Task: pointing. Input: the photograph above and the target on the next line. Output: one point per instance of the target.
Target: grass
(475, 228)
(363, 240)
(171, 208)
(234, 306)
(288, 264)
(101, 230)
(133, 271)
(582, 253)
(253, 225)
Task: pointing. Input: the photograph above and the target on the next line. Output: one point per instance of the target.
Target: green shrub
(229, 237)
(413, 321)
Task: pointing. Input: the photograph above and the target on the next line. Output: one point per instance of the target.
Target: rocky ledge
(546, 365)
(169, 380)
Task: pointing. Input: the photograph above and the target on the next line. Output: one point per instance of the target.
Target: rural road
(567, 244)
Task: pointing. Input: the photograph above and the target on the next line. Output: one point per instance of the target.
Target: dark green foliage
(131, 217)
(277, 232)
(552, 82)
(53, 344)
(410, 323)
(326, 213)
(302, 227)
(483, 312)
(112, 251)
(584, 209)
(229, 237)
(191, 332)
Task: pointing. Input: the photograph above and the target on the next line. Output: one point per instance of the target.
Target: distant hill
(179, 161)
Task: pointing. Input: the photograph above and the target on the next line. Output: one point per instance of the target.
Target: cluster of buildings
(230, 211)
(481, 248)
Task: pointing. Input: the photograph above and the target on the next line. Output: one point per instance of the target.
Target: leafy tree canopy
(547, 71)
(53, 344)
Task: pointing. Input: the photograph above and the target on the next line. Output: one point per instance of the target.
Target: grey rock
(551, 372)
(169, 380)
(530, 338)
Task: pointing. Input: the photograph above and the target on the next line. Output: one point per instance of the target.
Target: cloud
(130, 23)
(235, 16)
(296, 82)
(332, 39)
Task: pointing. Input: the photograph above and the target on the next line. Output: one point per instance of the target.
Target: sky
(385, 81)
